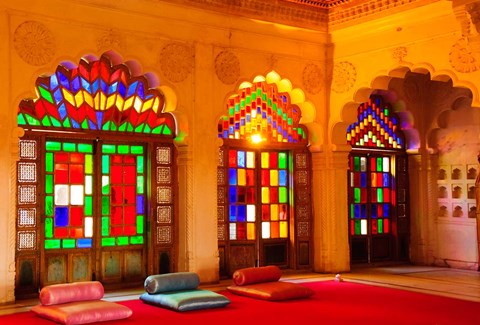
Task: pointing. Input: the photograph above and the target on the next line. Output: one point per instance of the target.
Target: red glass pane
(61, 232)
(363, 195)
(76, 216)
(241, 231)
(250, 177)
(117, 195)
(116, 159)
(130, 195)
(116, 174)
(379, 210)
(130, 215)
(130, 174)
(61, 157)
(274, 195)
(241, 194)
(232, 158)
(130, 159)
(116, 231)
(374, 226)
(77, 175)
(386, 226)
(373, 163)
(386, 194)
(61, 174)
(76, 232)
(273, 160)
(265, 177)
(116, 217)
(265, 212)
(356, 179)
(283, 214)
(379, 179)
(130, 230)
(352, 227)
(251, 195)
(77, 158)
(373, 198)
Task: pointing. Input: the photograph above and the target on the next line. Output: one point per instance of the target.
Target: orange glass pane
(250, 231)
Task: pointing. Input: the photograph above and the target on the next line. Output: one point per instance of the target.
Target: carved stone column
(330, 197)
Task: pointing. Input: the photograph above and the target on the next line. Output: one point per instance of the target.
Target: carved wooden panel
(241, 256)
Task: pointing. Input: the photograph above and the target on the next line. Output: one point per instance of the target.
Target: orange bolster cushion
(70, 292)
(253, 275)
(273, 291)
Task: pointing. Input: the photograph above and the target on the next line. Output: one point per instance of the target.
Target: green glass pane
(21, 119)
(231, 111)
(140, 224)
(140, 184)
(269, 102)
(254, 96)
(49, 184)
(55, 122)
(386, 111)
(140, 164)
(49, 205)
(139, 128)
(242, 103)
(356, 195)
(105, 205)
(48, 227)
(122, 127)
(167, 130)
(85, 148)
(68, 243)
(49, 162)
(124, 149)
(66, 123)
(105, 185)
(138, 150)
(358, 229)
(282, 160)
(108, 241)
(105, 164)
(136, 240)
(157, 130)
(122, 241)
(379, 164)
(129, 127)
(380, 226)
(53, 146)
(70, 147)
(31, 120)
(282, 195)
(85, 124)
(352, 211)
(356, 164)
(380, 195)
(45, 94)
(88, 206)
(106, 126)
(109, 148)
(105, 226)
(52, 243)
(248, 99)
(147, 129)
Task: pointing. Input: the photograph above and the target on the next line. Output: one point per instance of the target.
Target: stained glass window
(96, 96)
(262, 111)
(68, 195)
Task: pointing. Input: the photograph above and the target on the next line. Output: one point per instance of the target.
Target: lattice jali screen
(164, 194)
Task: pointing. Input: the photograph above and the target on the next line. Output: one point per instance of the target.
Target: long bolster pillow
(171, 282)
(256, 275)
(70, 292)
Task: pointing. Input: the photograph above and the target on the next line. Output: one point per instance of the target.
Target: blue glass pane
(140, 204)
(232, 176)
(386, 210)
(84, 243)
(122, 89)
(242, 213)
(374, 211)
(233, 194)
(233, 213)
(363, 179)
(386, 180)
(241, 159)
(61, 216)
(356, 211)
(282, 178)
(363, 213)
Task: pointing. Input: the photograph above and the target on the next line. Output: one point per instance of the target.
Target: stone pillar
(423, 206)
(477, 202)
(330, 197)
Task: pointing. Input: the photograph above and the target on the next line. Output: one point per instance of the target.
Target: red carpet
(333, 303)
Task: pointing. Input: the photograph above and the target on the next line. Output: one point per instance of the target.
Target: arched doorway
(95, 179)
(377, 186)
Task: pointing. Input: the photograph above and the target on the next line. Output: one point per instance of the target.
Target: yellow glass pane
(241, 177)
(250, 231)
(265, 160)
(265, 229)
(274, 212)
(283, 229)
(250, 159)
(111, 100)
(274, 230)
(265, 195)
(251, 213)
(274, 177)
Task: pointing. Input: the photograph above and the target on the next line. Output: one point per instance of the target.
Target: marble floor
(455, 283)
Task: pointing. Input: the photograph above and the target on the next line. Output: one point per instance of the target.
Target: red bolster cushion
(273, 291)
(70, 292)
(252, 275)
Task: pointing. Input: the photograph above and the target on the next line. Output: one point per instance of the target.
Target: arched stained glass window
(377, 183)
(96, 96)
(261, 111)
(376, 127)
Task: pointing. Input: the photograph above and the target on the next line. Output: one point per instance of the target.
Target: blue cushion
(186, 299)
(171, 282)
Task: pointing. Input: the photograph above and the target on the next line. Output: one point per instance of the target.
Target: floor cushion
(185, 300)
(83, 312)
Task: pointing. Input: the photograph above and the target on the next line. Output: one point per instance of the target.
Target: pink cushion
(70, 292)
(252, 275)
(272, 290)
(83, 312)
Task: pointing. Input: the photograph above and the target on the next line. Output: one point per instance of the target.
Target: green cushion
(186, 299)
